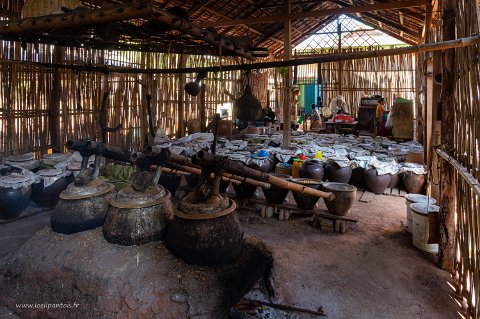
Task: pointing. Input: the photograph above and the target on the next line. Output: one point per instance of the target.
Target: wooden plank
(322, 13)
(367, 197)
(395, 192)
(288, 206)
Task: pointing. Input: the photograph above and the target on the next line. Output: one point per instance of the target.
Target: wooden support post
(203, 108)
(436, 126)
(105, 88)
(428, 111)
(340, 63)
(446, 256)
(54, 105)
(181, 97)
(287, 102)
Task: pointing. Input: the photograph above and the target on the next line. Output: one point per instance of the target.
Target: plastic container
(296, 167)
(412, 199)
(421, 226)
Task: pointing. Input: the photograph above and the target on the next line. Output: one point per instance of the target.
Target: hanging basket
(37, 8)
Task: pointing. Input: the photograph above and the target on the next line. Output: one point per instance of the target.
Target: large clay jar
(15, 193)
(376, 183)
(394, 181)
(82, 208)
(305, 201)
(46, 192)
(357, 177)
(335, 173)
(414, 183)
(344, 198)
(312, 169)
(275, 194)
(205, 234)
(244, 190)
(137, 218)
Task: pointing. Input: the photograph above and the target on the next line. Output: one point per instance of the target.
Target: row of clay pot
(15, 199)
(414, 183)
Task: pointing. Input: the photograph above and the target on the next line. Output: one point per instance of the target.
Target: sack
(389, 123)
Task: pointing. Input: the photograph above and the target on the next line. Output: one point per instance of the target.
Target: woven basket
(37, 8)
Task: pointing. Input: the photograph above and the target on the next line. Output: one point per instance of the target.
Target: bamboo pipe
(197, 171)
(239, 169)
(462, 170)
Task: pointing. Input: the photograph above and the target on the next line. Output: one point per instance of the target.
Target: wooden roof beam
(322, 13)
(77, 19)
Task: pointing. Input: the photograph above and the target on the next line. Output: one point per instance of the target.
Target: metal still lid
(424, 209)
(127, 197)
(419, 198)
(96, 187)
(49, 172)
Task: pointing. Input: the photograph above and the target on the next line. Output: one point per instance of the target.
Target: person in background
(314, 118)
(380, 109)
(380, 121)
(320, 107)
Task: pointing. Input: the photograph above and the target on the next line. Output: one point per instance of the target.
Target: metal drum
(205, 233)
(138, 217)
(82, 208)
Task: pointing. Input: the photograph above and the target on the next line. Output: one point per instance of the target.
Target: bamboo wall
(392, 76)
(467, 150)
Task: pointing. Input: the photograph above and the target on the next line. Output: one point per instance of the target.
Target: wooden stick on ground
(288, 308)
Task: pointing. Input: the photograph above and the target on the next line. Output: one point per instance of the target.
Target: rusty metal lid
(127, 197)
(96, 187)
(49, 172)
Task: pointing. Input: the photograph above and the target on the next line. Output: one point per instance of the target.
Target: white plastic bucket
(421, 226)
(416, 198)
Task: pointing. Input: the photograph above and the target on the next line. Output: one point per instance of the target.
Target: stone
(103, 280)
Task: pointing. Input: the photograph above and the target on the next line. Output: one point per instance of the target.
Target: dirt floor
(372, 271)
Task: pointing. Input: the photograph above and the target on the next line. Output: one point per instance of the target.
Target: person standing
(314, 118)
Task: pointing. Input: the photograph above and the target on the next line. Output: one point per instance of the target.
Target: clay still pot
(275, 194)
(244, 190)
(82, 207)
(205, 233)
(376, 183)
(337, 174)
(46, 192)
(414, 183)
(15, 193)
(305, 201)
(138, 217)
(312, 169)
(344, 198)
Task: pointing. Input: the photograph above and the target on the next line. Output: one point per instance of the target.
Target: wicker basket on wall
(37, 8)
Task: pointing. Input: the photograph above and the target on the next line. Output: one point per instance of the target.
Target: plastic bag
(389, 123)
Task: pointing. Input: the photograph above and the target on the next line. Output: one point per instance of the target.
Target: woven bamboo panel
(35, 8)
